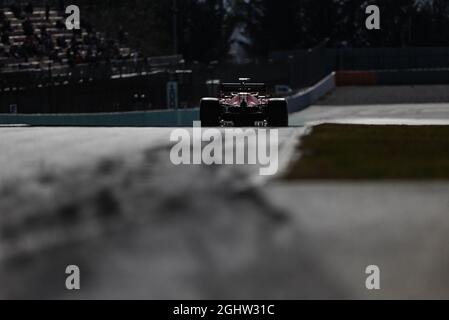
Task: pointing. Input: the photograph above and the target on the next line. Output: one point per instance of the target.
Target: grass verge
(359, 152)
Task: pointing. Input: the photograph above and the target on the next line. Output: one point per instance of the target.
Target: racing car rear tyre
(210, 112)
(277, 113)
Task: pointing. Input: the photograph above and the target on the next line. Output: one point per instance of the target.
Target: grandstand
(46, 68)
(36, 37)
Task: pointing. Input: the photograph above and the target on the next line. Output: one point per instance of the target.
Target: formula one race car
(243, 104)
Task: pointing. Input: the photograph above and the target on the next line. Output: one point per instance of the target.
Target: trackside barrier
(360, 78)
(163, 118)
(392, 77)
(304, 99)
(166, 118)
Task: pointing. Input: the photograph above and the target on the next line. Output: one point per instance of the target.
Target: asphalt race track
(110, 201)
(389, 104)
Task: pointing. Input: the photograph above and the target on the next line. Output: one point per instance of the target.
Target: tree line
(205, 28)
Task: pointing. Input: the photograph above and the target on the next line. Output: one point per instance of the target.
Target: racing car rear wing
(243, 87)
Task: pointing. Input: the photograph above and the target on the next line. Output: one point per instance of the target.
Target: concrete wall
(304, 99)
(368, 58)
(392, 77)
(378, 95)
(165, 118)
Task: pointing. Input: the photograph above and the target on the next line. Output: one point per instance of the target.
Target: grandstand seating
(51, 44)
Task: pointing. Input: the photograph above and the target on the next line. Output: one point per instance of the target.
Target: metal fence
(369, 58)
(104, 87)
(114, 86)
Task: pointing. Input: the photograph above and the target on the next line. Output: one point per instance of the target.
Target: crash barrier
(389, 58)
(369, 58)
(360, 78)
(166, 118)
(392, 77)
(112, 87)
(163, 118)
(86, 95)
(304, 99)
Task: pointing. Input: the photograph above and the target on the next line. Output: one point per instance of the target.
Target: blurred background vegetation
(206, 30)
